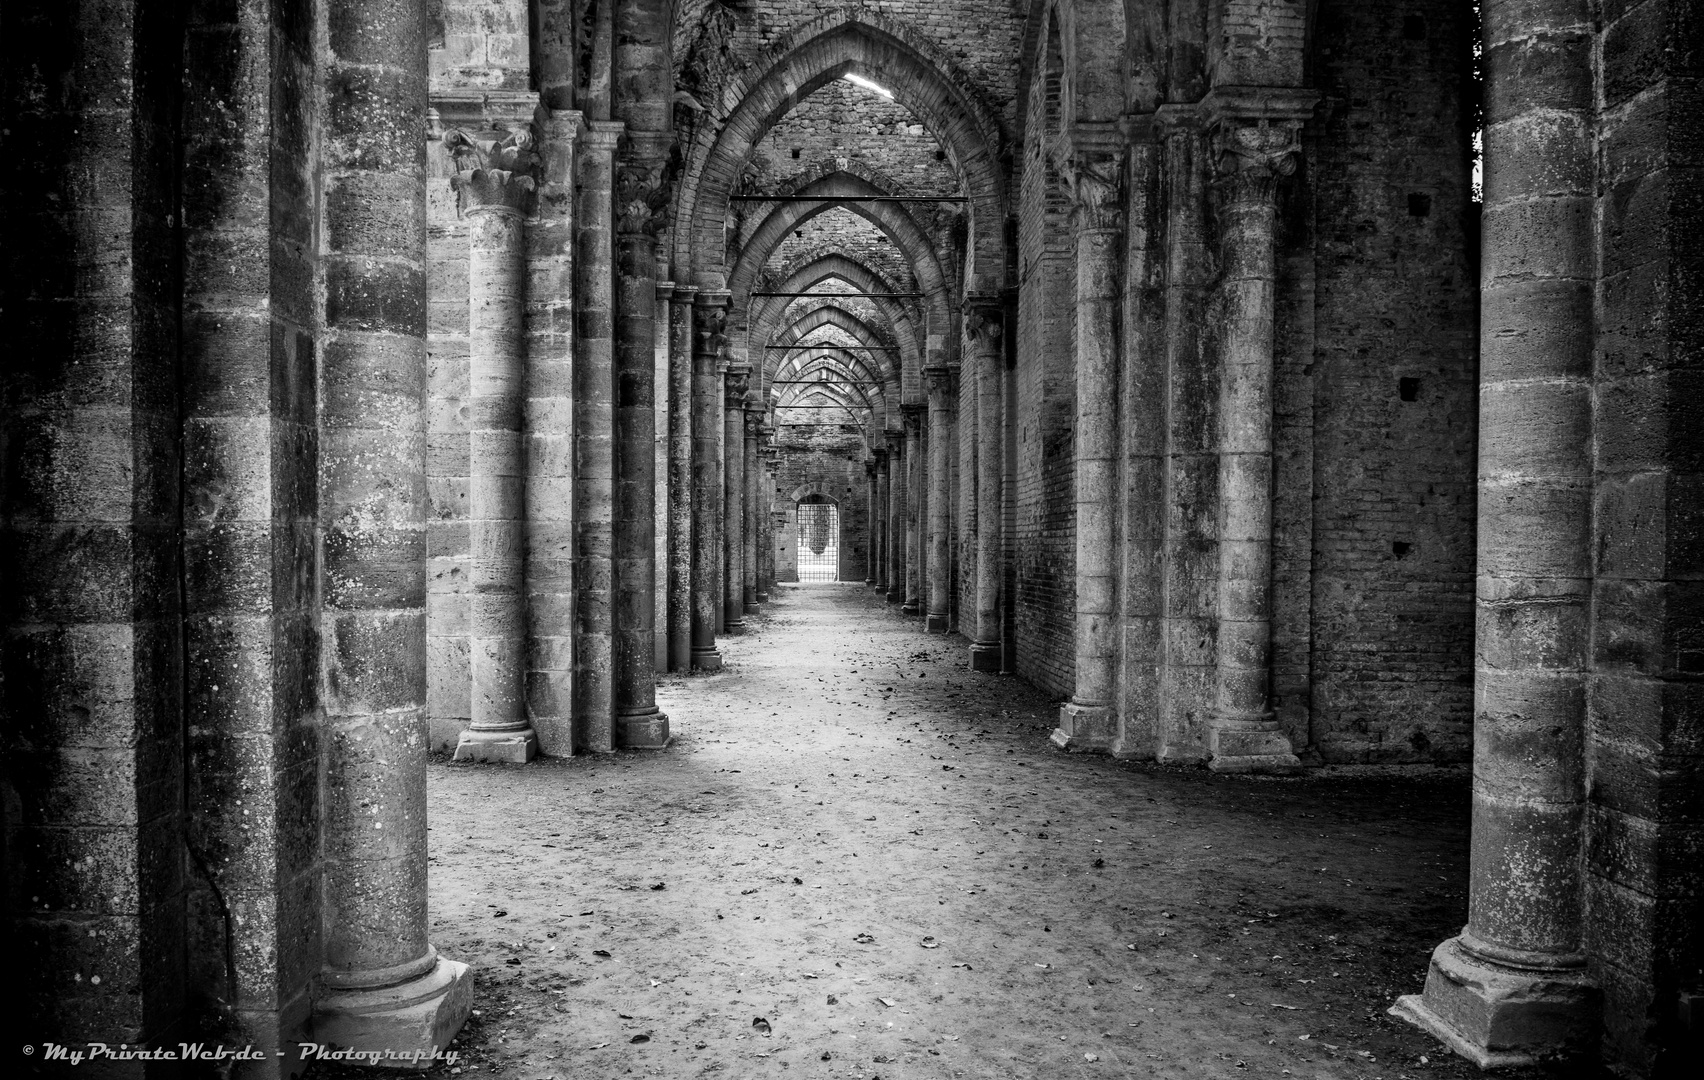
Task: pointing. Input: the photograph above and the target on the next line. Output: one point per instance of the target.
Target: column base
(505, 747)
(753, 609)
(763, 598)
(400, 1027)
(1250, 745)
(895, 598)
(985, 657)
(706, 660)
(869, 583)
(935, 624)
(731, 627)
(1498, 1016)
(911, 607)
(644, 731)
(1085, 727)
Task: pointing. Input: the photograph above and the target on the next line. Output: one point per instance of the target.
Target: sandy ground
(861, 860)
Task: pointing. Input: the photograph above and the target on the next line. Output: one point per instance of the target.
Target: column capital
(896, 445)
(912, 413)
(496, 175)
(643, 187)
(684, 294)
(939, 378)
(665, 291)
(984, 322)
(721, 298)
(736, 380)
(1250, 158)
(1095, 179)
(871, 466)
(485, 110)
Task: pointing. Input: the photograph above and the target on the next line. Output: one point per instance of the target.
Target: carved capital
(498, 175)
(896, 446)
(736, 381)
(913, 414)
(984, 323)
(642, 190)
(939, 380)
(1096, 183)
(1250, 157)
(710, 323)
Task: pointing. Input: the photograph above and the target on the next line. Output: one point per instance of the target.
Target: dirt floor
(860, 859)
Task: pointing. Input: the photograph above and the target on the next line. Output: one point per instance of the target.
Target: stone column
(710, 320)
(680, 478)
(594, 445)
(738, 379)
(940, 381)
(895, 528)
(494, 200)
(1252, 157)
(879, 513)
(383, 986)
(871, 468)
(985, 331)
(914, 419)
(1089, 721)
(664, 490)
(1513, 985)
(763, 499)
(641, 199)
(753, 482)
(549, 423)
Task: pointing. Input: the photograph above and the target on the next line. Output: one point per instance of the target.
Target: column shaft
(1089, 720)
(871, 485)
(753, 484)
(1512, 986)
(940, 382)
(895, 526)
(594, 445)
(549, 425)
(384, 986)
(499, 730)
(911, 509)
(879, 516)
(710, 314)
(985, 329)
(638, 722)
(680, 478)
(663, 498)
(733, 494)
(1244, 735)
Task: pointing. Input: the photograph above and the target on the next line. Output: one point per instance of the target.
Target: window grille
(819, 541)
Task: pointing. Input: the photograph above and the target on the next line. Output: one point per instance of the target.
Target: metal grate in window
(819, 542)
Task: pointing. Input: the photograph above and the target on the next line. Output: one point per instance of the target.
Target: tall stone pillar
(753, 483)
(911, 509)
(549, 423)
(896, 465)
(1252, 157)
(871, 468)
(641, 201)
(594, 444)
(1089, 721)
(1513, 985)
(494, 200)
(738, 379)
(710, 320)
(383, 986)
(940, 381)
(663, 498)
(680, 478)
(985, 331)
(763, 498)
(879, 516)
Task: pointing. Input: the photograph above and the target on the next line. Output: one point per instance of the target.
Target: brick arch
(875, 367)
(818, 168)
(914, 244)
(843, 387)
(768, 312)
(921, 77)
(813, 488)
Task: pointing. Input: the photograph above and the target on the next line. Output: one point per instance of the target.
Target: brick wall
(1394, 388)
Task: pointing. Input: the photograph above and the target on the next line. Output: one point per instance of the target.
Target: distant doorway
(819, 539)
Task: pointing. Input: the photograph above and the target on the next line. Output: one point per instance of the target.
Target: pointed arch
(921, 78)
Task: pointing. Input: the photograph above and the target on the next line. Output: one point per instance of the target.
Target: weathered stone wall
(1393, 379)
(1644, 825)
(95, 869)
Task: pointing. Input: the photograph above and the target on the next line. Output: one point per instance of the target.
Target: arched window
(819, 539)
